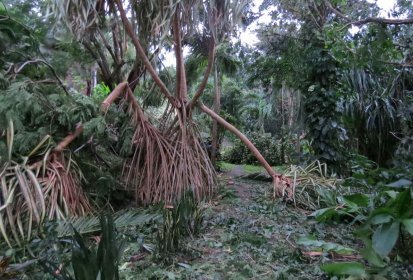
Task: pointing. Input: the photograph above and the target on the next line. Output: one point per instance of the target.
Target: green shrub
(100, 92)
(265, 143)
(182, 219)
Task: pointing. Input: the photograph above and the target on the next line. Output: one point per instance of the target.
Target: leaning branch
(386, 21)
(201, 88)
(59, 80)
(140, 51)
(116, 92)
(383, 21)
(281, 184)
(398, 64)
(69, 138)
(241, 136)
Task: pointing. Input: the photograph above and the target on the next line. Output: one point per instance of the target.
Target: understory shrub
(182, 219)
(265, 143)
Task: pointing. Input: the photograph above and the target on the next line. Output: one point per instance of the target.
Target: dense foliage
(94, 117)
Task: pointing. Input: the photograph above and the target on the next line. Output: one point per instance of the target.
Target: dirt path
(237, 171)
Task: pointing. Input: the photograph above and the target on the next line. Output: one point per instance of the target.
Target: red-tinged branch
(241, 136)
(181, 88)
(201, 88)
(281, 184)
(68, 139)
(116, 92)
(140, 51)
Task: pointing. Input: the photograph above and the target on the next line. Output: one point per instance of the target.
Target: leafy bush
(100, 92)
(266, 144)
(101, 263)
(76, 259)
(385, 215)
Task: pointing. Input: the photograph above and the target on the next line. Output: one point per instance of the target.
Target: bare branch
(201, 88)
(281, 184)
(386, 21)
(398, 64)
(241, 136)
(145, 59)
(108, 47)
(69, 138)
(48, 65)
(116, 92)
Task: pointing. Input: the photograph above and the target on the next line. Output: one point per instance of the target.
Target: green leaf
(362, 200)
(185, 265)
(325, 214)
(372, 257)
(344, 268)
(408, 225)
(385, 237)
(400, 183)
(392, 194)
(403, 204)
(381, 218)
(310, 241)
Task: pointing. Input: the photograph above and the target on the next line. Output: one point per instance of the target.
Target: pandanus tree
(168, 158)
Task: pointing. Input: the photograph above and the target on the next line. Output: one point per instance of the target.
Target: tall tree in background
(309, 47)
(229, 16)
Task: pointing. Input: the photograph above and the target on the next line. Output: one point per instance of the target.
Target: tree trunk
(217, 108)
(241, 136)
(282, 127)
(282, 185)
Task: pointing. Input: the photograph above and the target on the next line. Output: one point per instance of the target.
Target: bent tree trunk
(280, 183)
(168, 160)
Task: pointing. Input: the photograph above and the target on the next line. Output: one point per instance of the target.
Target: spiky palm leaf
(373, 109)
(30, 191)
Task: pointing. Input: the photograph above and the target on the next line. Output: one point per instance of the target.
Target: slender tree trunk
(242, 137)
(217, 108)
(282, 185)
(282, 127)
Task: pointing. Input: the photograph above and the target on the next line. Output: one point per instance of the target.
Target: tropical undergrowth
(379, 207)
(244, 234)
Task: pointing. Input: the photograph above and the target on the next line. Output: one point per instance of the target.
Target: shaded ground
(236, 171)
(246, 235)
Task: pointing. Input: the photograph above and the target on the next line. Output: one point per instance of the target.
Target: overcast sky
(249, 37)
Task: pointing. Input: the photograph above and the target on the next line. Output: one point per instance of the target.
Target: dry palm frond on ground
(308, 182)
(31, 191)
(304, 184)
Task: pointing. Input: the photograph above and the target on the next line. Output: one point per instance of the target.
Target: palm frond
(90, 224)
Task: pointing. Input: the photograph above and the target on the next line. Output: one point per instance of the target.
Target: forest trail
(236, 171)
